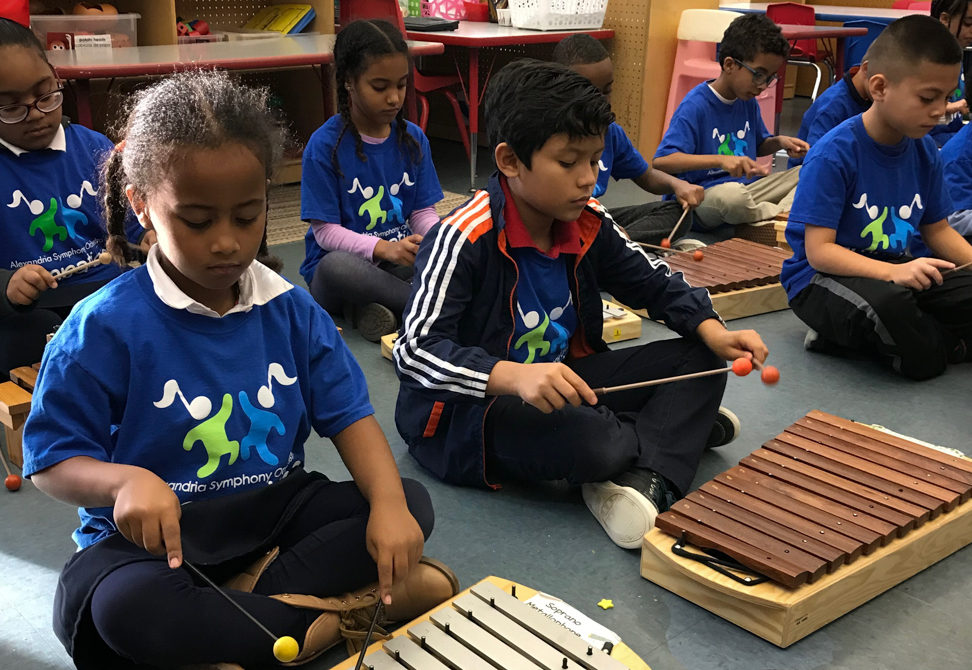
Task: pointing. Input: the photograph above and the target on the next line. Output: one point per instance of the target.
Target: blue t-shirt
(619, 160)
(703, 125)
(51, 215)
(944, 132)
(212, 406)
(874, 196)
(374, 197)
(957, 165)
(545, 315)
(834, 106)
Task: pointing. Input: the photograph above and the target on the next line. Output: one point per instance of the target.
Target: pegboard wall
(629, 21)
(220, 14)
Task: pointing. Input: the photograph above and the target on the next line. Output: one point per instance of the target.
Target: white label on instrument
(92, 41)
(573, 620)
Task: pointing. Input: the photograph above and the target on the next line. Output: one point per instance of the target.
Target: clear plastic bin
(558, 14)
(86, 32)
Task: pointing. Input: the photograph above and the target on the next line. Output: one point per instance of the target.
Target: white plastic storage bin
(86, 32)
(558, 14)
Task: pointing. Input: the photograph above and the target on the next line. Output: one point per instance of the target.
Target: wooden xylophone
(488, 627)
(742, 277)
(831, 511)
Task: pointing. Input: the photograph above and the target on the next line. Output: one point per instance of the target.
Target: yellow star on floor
(606, 604)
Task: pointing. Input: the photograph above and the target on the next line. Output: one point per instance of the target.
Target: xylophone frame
(621, 652)
(784, 615)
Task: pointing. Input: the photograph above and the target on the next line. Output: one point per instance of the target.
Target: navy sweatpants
(157, 616)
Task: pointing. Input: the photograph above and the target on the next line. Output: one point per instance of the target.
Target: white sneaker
(624, 513)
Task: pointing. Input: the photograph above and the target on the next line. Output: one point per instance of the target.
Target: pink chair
(901, 4)
(699, 32)
(920, 6)
(390, 11)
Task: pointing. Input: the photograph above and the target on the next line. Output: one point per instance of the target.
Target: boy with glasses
(717, 133)
(51, 214)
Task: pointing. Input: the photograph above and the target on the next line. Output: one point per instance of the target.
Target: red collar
(566, 234)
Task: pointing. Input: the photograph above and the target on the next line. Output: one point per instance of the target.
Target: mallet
(741, 367)
(104, 258)
(667, 242)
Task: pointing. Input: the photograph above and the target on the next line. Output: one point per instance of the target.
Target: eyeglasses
(759, 78)
(47, 103)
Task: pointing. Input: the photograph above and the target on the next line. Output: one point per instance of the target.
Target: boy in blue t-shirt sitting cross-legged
(867, 188)
(650, 221)
(501, 344)
(717, 133)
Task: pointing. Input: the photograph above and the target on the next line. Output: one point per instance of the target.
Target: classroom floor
(544, 537)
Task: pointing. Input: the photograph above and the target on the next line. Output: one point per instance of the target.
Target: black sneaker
(374, 321)
(725, 429)
(626, 507)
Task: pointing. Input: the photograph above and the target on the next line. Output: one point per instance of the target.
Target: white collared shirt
(258, 286)
(59, 143)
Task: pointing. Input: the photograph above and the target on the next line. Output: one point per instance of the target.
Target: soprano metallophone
(822, 518)
(489, 627)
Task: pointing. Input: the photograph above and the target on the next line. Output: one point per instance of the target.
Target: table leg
(82, 90)
(326, 76)
(839, 60)
(473, 114)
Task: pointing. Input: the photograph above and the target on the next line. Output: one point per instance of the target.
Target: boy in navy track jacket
(501, 342)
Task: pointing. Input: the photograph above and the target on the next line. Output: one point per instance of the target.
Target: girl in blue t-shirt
(197, 378)
(368, 185)
(49, 221)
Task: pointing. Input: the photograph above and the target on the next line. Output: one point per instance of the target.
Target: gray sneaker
(374, 321)
(725, 429)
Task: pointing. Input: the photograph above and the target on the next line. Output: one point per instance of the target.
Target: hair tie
(120, 147)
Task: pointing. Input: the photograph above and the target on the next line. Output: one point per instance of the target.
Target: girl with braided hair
(368, 186)
(956, 15)
(154, 390)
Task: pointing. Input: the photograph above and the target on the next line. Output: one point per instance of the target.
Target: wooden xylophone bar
(818, 496)
(730, 265)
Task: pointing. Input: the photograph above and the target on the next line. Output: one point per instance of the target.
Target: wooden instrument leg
(14, 408)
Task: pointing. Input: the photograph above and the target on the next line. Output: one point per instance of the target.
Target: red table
(793, 33)
(257, 54)
(474, 36)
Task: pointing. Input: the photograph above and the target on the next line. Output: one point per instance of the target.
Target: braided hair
(951, 8)
(203, 110)
(354, 50)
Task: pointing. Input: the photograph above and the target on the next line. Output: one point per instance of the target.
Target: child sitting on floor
(957, 15)
(501, 343)
(369, 186)
(651, 221)
(50, 221)
(173, 405)
(867, 187)
(717, 132)
(957, 166)
(848, 97)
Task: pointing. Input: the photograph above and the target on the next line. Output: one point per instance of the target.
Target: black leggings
(153, 615)
(23, 336)
(345, 277)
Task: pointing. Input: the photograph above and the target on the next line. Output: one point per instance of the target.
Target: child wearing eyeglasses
(50, 220)
(717, 133)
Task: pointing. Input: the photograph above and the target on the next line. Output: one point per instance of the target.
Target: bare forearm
(831, 258)
(769, 146)
(678, 163)
(366, 453)
(502, 379)
(946, 243)
(84, 481)
(657, 182)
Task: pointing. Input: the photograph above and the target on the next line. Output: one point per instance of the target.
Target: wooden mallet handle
(961, 267)
(104, 258)
(658, 382)
(685, 211)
